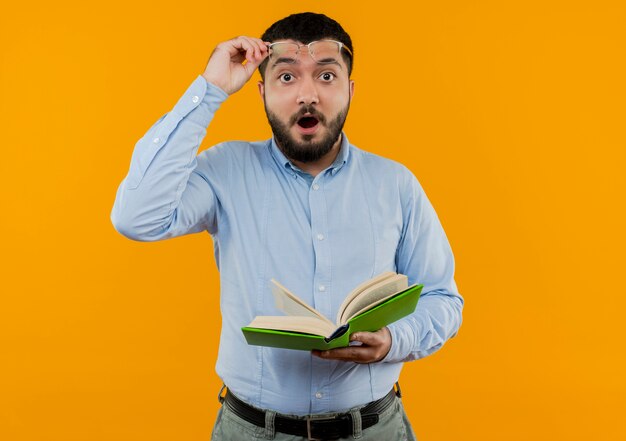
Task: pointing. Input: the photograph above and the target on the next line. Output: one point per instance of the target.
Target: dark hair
(306, 27)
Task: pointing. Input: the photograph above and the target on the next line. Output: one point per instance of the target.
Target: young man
(308, 209)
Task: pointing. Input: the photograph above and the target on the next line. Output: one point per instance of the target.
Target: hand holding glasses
(232, 62)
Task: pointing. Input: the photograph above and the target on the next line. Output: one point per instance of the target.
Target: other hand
(226, 68)
(374, 347)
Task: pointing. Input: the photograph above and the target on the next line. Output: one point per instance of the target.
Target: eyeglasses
(321, 51)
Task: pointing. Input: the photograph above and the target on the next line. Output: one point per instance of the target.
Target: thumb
(251, 65)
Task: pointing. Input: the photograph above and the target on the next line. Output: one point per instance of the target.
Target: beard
(306, 150)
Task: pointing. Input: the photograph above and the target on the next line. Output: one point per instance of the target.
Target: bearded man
(307, 208)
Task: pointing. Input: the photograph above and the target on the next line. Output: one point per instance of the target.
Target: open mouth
(308, 122)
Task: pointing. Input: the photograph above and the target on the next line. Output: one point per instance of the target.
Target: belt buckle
(309, 435)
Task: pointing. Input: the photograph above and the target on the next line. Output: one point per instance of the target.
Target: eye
(286, 78)
(327, 76)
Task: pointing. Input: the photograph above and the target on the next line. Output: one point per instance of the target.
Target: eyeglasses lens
(287, 51)
(324, 51)
(320, 51)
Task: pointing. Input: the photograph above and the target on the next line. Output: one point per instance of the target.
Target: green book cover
(391, 310)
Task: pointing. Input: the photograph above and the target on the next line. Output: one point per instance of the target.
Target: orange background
(511, 114)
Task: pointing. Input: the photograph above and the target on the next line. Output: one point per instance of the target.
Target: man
(308, 209)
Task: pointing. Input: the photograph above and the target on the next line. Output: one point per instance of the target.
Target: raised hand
(233, 62)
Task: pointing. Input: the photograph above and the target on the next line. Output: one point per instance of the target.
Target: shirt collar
(338, 163)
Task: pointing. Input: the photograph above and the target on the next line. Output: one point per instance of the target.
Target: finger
(367, 338)
(245, 48)
(250, 66)
(233, 47)
(238, 49)
(253, 47)
(351, 353)
(263, 49)
(262, 45)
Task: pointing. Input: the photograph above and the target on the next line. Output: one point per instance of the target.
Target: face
(306, 104)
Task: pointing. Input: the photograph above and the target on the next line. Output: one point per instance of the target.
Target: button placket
(321, 248)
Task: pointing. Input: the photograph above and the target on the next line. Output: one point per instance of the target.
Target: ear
(261, 89)
(351, 88)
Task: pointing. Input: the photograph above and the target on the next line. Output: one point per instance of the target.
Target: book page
(374, 295)
(307, 325)
(359, 289)
(292, 305)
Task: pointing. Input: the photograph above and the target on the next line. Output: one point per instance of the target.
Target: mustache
(311, 111)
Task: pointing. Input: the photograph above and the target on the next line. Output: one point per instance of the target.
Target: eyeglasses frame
(308, 45)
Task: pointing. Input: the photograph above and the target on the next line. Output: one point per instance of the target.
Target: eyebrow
(329, 61)
(285, 60)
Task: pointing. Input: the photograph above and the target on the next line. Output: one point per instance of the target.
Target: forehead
(303, 56)
(288, 40)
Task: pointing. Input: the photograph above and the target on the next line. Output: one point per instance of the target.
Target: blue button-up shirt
(319, 236)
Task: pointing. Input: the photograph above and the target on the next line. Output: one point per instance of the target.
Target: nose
(307, 93)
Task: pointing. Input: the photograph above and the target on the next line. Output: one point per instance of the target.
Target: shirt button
(318, 395)
(155, 140)
(316, 187)
(195, 99)
(320, 237)
(321, 288)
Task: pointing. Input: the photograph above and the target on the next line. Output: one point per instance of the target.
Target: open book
(370, 306)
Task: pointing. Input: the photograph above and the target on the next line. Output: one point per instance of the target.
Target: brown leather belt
(311, 427)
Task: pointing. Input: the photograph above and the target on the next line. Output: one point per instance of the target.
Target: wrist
(215, 83)
(388, 342)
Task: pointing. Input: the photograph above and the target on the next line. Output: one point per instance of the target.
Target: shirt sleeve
(425, 256)
(162, 196)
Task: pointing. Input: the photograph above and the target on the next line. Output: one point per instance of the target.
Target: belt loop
(357, 427)
(398, 391)
(270, 432)
(220, 398)
(309, 435)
